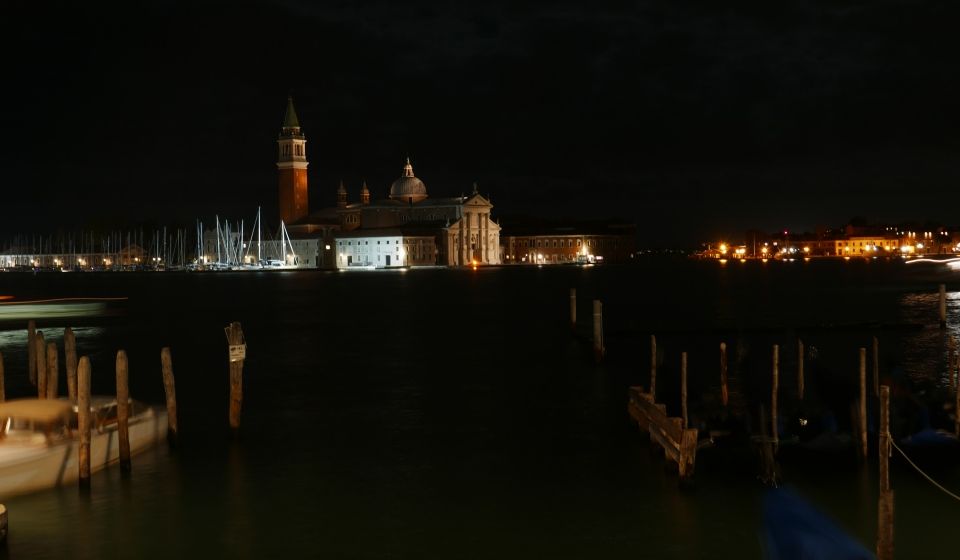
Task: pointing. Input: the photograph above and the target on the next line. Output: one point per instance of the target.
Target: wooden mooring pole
(53, 370)
(41, 365)
(943, 306)
(598, 348)
(83, 418)
(950, 359)
(123, 409)
(876, 367)
(724, 392)
(32, 352)
(862, 414)
(884, 444)
(653, 367)
(773, 396)
(70, 355)
(683, 389)
(238, 353)
(573, 309)
(800, 383)
(166, 362)
(956, 372)
(885, 507)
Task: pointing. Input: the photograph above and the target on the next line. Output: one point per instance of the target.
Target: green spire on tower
(290, 119)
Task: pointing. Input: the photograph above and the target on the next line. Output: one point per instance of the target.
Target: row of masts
(222, 247)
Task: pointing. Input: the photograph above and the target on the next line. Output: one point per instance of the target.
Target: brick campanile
(292, 165)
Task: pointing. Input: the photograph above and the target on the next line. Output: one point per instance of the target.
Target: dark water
(451, 414)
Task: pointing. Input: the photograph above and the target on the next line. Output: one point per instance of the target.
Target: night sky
(695, 119)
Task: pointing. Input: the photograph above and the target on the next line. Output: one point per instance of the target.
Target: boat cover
(38, 410)
(795, 530)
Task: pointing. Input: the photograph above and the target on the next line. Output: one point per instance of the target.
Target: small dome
(408, 187)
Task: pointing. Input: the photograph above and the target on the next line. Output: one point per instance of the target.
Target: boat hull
(28, 468)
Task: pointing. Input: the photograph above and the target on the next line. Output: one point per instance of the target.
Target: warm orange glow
(5, 297)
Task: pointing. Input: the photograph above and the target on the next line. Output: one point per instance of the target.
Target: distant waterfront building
(461, 227)
(864, 241)
(569, 243)
(870, 246)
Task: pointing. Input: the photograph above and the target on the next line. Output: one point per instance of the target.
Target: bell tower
(292, 165)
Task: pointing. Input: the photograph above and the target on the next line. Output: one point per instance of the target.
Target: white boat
(12, 308)
(285, 258)
(360, 266)
(39, 440)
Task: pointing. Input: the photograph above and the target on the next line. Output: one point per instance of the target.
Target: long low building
(565, 244)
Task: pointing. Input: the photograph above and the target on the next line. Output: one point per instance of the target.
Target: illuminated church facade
(407, 228)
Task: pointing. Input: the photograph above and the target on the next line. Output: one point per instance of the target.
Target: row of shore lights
(742, 251)
(83, 262)
(903, 248)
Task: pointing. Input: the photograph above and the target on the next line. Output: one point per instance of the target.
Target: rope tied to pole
(919, 470)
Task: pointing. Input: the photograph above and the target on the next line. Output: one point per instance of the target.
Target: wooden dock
(678, 442)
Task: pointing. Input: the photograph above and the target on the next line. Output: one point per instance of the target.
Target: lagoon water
(452, 414)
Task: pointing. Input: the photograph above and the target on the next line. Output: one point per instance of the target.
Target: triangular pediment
(477, 200)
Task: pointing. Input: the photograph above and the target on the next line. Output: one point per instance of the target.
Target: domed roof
(408, 187)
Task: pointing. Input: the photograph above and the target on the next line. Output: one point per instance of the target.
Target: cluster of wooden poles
(953, 362)
(43, 368)
(679, 441)
(599, 350)
(685, 453)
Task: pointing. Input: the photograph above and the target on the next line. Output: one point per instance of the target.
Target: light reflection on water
(15, 341)
(13, 346)
(926, 352)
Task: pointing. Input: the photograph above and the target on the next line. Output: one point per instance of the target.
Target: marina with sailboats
(231, 249)
(228, 245)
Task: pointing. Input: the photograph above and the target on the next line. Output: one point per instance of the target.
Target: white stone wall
(376, 251)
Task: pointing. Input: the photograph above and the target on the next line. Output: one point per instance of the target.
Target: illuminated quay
(884, 241)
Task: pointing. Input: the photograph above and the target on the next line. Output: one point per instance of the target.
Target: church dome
(408, 188)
